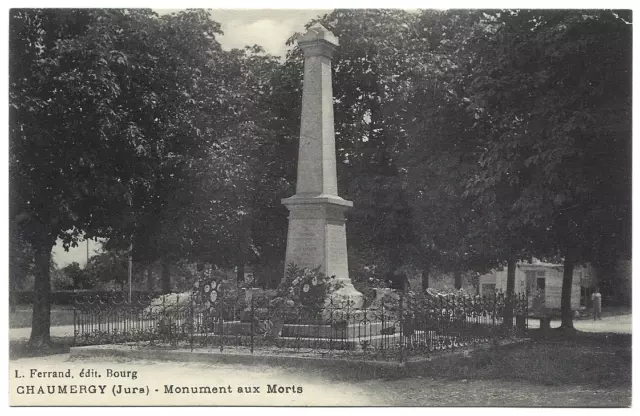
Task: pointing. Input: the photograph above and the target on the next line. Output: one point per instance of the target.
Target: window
(536, 280)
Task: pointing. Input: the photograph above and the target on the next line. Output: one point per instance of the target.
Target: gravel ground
(620, 324)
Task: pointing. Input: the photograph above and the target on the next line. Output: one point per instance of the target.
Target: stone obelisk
(317, 234)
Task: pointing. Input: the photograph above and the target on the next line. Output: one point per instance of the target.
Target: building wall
(553, 282)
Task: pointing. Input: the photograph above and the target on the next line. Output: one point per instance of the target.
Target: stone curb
(366, 368)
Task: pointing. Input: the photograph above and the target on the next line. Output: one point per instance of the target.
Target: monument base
(317, 237)
(346, 293)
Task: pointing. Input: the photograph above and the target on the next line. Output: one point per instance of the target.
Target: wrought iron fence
(400, 327)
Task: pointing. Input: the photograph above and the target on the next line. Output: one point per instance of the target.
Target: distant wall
(553, 283)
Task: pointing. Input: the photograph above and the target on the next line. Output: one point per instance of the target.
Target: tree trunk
(12, 293)
(166, 277)
(457, 279)
(150, 282)
(244, 242)
(567, 284)
(240, 272)
(41, 317)
(511, 285)
(425, 279)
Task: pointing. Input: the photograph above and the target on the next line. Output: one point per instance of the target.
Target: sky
(269, 28)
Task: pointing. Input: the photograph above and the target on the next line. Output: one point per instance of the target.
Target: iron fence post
(74, 325)
(174, 335)
(252, 317)
(221, 319)
(384, 336)
(493, 312)
(332, 328)
(345, 333)
(163, 321)
(526, 312)
(402, 323)
(192, 319)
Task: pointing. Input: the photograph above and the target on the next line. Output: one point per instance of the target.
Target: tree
(405, 136)
(211, 200)
(557, 85)
(78, 277)
(20, 263)
(368, 68)
(102, 104)
(59, 117)
(110, 267)
(436, 147)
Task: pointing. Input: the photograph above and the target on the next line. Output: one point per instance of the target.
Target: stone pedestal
(317, 234)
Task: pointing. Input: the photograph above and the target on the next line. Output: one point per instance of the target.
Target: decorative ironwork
(400, 327)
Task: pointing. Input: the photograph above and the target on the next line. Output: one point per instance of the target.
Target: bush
(61, 281)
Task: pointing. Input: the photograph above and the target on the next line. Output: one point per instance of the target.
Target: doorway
(536, 288)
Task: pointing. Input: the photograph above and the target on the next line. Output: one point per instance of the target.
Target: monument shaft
(317, 234)
(317, 150)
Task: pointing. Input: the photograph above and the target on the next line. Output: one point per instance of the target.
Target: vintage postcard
(310, 207)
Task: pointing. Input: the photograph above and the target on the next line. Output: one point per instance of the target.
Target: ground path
(619, 324)
(16, 334)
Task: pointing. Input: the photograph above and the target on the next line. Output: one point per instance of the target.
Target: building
(543, 284)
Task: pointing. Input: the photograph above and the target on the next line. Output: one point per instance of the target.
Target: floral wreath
(207, 290)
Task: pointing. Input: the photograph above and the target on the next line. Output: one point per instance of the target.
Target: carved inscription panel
(305, 244)
(336, 244)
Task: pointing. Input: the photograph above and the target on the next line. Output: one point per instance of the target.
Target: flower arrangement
(303, 288)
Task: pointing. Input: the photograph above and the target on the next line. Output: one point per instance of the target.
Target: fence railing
(397, 328)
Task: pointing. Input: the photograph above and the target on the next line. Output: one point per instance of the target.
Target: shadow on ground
(551, 358)
(22, 349)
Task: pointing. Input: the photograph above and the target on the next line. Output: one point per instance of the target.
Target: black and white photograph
(369, 207)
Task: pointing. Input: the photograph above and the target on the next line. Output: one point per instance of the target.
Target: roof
(538, 263)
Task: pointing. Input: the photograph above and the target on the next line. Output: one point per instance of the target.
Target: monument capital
(318, 41)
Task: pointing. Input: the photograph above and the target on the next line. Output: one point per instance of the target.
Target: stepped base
(336, 330)
(347, 293)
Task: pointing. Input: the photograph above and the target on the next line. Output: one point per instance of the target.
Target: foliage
(366, 280)
(367, 71)
(304, 288)
(219, 190)
(466, 139)
(108, 267)
(21, 265)
(59, 279)
(79, 278)
(555, 87)
(124, 123)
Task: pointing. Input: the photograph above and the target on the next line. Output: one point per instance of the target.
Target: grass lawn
(556, 370)
(554, 360)
(60, 315)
